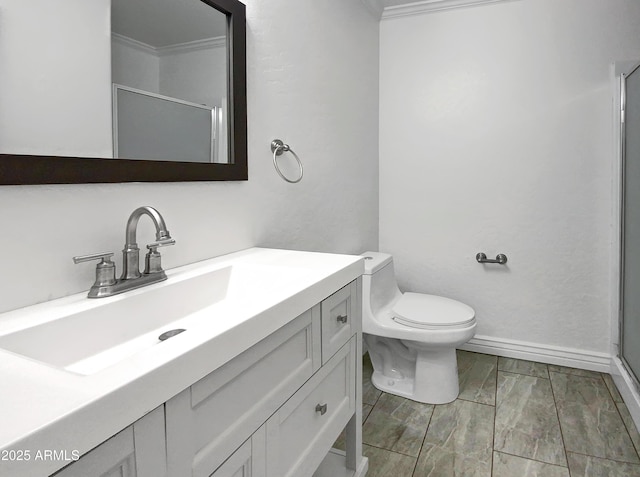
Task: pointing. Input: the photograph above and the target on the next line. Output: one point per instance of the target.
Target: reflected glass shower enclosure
(630, 239)
(161, 128)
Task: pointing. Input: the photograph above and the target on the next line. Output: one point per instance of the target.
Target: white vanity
(265, 377)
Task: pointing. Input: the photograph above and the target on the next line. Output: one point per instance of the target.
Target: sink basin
(97, 333)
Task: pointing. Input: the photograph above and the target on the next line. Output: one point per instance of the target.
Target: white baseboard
(562, 356)
(627, 389)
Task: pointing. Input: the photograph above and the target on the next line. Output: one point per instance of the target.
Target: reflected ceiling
(161, 23)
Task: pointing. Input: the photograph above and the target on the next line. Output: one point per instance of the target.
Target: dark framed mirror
(229, 162)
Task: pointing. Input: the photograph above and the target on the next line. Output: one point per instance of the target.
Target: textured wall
(54, 82)
(134, 67)
(198, 76)
(312, 81)
(495, 127)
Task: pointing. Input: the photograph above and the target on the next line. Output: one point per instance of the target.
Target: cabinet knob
(342, 318)
(321, 408)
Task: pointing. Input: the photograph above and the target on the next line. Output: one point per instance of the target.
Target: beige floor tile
(629, 424)
(526, 420)
(384, 463)
(589, 419)
(458, 442)
(533, 401)
(573, 371)
(366, 410)
(520, 366)
(397, 424)
(505, 465)
(477, 377)
(589, 466)
(340, 441)
(613, 389)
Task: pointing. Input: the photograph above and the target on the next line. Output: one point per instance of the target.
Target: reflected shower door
(630, 286)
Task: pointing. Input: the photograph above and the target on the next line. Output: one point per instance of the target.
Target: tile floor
(513, 418)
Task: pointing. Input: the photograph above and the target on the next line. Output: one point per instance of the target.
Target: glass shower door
(630, 286)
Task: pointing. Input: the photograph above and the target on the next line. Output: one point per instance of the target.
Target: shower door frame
(622, 190)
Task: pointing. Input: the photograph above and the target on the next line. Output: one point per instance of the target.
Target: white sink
(93, 334)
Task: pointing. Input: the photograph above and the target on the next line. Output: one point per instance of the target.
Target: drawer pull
(321, 408)
(342, 318)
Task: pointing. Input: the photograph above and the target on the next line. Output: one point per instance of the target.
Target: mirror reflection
(169, 73)
(169, 58)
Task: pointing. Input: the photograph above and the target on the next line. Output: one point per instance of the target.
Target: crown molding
(131, 43)
(376, 7)
(186, 47)
(189, 46)
(432, 6)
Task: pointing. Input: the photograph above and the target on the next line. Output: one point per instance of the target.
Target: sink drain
(169, 334)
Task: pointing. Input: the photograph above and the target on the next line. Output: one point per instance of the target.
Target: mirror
(169, 75)
(175, 109)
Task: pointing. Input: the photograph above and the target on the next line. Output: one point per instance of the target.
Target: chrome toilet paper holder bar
(501, 258)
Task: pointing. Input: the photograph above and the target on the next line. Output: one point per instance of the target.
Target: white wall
(496, 137)
(53, 83)
(198, 76)
(134, 65)
(312, 69)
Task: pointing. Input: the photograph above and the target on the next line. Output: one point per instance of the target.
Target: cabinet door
(301, 432)
(137, 451)
(248, 460)
(238, 465)
(208, 421)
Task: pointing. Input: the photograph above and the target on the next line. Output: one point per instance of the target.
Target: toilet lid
(429, 311)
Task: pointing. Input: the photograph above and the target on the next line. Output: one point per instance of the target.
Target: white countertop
(46, 408)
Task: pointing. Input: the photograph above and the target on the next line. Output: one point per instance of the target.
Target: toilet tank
(379, 286)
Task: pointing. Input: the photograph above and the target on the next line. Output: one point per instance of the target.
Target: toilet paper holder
(501, 258)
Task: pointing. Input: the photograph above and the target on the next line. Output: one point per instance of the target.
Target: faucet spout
(106, 283)
(131, 252)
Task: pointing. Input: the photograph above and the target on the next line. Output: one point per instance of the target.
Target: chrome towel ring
(278, 147)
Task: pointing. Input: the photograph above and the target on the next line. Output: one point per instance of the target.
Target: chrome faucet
(131, 252)
(106, 283)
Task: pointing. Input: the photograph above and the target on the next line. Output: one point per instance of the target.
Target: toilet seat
(417, 310)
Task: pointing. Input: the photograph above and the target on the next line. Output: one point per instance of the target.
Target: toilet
(411, 337)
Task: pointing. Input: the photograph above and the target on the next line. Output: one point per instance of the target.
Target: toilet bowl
(412, 337)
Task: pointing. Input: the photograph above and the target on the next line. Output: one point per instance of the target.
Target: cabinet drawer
(337, 317)
(301, 432)
(209, 420)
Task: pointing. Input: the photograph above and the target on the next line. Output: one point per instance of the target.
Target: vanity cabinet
(247, 461)
(137, 451)
(338, 312)
(301, 432)
(272, 411)
(209, 420)
(239, 464)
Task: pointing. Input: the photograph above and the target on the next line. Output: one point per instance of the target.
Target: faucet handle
(161, 243)
(152, 260)
(105, 270)
(105, 256)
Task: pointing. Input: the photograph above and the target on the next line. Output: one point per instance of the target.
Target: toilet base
(399, 386)
(433, 378)
(436, 376)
